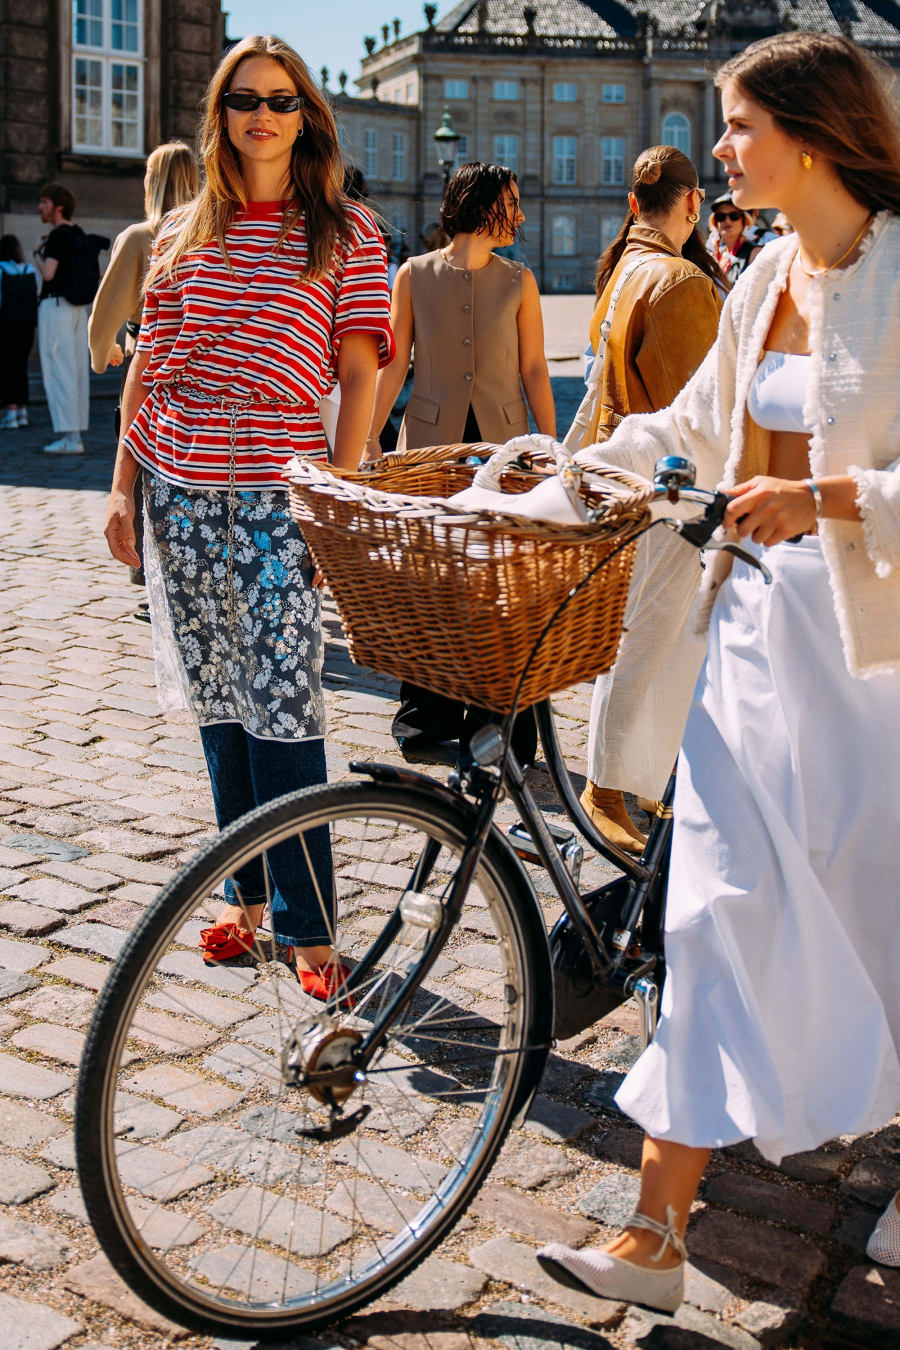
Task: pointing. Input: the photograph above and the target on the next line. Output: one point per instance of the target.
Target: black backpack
(84, 277)
(18, 297)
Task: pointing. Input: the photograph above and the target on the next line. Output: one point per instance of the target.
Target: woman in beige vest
(479, 366)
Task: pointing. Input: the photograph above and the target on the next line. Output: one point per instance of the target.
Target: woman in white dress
(781, 1010)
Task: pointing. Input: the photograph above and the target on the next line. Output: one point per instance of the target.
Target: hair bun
(650, 171)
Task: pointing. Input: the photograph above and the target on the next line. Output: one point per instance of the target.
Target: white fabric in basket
(556, 499)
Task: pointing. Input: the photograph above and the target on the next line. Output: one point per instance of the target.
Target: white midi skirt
(780, 1016)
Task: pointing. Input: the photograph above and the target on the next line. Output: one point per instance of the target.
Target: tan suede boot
(606, 808)
(649, 805)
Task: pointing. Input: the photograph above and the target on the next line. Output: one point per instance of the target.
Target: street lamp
(446, 139)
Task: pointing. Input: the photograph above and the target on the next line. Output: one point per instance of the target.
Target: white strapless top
(778, 392)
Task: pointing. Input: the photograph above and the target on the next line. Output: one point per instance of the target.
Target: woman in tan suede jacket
(665, 317)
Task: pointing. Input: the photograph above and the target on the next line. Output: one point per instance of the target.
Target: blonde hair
(172, 180)
(316, 172)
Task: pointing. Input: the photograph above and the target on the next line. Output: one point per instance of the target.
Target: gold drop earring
(806, 159)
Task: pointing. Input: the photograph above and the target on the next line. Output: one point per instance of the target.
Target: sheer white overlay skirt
(781, 1010)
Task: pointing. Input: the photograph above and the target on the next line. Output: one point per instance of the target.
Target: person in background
(665, 318)
(171, 180)
(731, 241)
(263, 293)
(781, 226)
(70, 275)
(433, 237)
(18, 320)
(478, 331)
(393, 266)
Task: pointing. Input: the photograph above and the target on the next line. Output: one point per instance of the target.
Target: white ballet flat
(610, 1277)
(884, 1244)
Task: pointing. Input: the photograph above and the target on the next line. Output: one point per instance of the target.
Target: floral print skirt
(259, 661)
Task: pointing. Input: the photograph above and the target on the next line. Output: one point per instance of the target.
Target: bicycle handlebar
(674, 479)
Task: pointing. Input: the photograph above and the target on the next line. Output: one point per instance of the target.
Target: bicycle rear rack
(570, 851)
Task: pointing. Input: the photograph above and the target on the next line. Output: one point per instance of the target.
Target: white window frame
(565, 93)
(105, 56)
(370, 153)
(398, 157)
(502, 156)
(563, 236)
(609, 228)
(565, 159)
(462, 151)
(612, 161)
(457, 90)
(410, 91)
(612, 93)
(676, 131)
(506, 91)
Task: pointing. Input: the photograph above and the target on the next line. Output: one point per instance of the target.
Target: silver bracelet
(817, 495)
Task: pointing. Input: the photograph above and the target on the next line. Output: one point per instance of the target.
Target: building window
(411, 92)
(506, 151)
(564, 281)
(613, 93)
(456, 89)
(609, 228)
(506, 91)
(107, 85)
(562, 236)
(564, 158)
(565, 93)
(612, 151)
(676, 130)
(370, 164)
(462, 151)
(398, 166)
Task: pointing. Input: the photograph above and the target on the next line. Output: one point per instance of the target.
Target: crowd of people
(765, 356)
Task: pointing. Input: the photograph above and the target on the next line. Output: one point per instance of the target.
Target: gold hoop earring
(806, 159)
(694, 217)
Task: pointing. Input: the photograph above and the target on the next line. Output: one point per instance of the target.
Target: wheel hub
(318, 1055)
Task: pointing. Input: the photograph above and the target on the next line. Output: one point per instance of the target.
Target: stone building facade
(87, 89)
(568, 92)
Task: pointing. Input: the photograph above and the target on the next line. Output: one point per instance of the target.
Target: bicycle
(348, 1140)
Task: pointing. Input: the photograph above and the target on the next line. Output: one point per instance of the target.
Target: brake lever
(699, 532)
(726, 546)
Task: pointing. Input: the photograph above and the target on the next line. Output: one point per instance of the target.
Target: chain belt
(233, 407)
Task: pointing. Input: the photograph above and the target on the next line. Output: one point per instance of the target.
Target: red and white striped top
(252, 336)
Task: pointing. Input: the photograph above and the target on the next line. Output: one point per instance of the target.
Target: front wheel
(229, 1199)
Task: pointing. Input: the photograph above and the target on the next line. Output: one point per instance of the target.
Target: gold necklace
(833, 265)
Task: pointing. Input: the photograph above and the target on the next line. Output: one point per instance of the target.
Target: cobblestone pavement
(101, 797)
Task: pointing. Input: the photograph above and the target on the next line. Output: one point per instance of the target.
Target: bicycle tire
(511, 902)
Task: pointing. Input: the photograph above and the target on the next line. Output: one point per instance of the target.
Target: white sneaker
(610, 1277)
(22, 417)
(69, 444)
(9, 422)
(884, 1244)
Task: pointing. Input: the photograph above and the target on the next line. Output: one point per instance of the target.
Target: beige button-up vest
(466, 352)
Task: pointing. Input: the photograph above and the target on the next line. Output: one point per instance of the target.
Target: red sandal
(227, 944)
(326, 983)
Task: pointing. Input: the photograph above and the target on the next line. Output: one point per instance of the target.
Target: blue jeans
(246, 771)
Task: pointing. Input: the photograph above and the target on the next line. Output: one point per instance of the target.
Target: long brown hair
(832, 98)
(661, 176)
(172, 180)
(316, 172)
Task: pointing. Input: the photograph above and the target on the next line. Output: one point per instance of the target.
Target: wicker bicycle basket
(455, 601)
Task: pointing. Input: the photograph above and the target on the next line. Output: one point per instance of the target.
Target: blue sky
(326, 32)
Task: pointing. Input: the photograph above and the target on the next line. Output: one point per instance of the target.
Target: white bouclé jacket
(853, 406)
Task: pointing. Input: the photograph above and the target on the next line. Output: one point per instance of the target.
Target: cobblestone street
(101, 797)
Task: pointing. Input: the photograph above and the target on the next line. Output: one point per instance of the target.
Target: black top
(58, 246)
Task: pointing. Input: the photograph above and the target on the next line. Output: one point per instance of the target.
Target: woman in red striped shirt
(262, 294)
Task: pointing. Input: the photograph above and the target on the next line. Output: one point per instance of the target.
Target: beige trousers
(62, 334)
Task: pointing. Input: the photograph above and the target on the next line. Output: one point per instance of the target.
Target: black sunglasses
(719, 217)
(278, 103)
